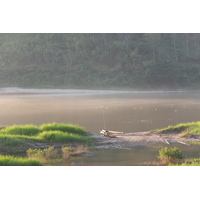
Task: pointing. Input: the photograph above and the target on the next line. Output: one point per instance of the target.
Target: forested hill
(59, 60)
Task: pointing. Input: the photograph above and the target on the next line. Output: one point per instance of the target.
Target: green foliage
(35, 153)
(9, 141)
(186, 129)
(6, 160)
(66, 152)
(70, 128)
(42, 155)
(14, 139)
(13, 136)
(187, 162)
(79, 60)
(28, 130)
(59, 136)
(170, 154)
(66, 149)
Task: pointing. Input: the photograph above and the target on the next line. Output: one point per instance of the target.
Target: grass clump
(28, 130)
(188, 162)
(70, 128)
(59, 136)
(186, 129)
(66, 152)
(10, 144)
(45, 154)
(8, 140)
(6, 160)
(170, 155)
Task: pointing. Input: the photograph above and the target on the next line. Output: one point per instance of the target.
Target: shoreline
(126, 140)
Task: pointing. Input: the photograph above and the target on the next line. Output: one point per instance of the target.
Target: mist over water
(126, 111)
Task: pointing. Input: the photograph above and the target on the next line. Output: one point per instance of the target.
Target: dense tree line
(142, 60)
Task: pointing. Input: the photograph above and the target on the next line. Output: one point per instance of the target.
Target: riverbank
(126, 140)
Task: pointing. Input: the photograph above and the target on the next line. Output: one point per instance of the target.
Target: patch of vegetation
(187, 162)
(170, 155)
(59, 136)
(8, 143)
(100, 60)
(42, 155)
(29, 130)
(17, 138)
(185, 129)
(8, 140)
(50, 156)
(6, 160)
(70, 128)
(66, 152)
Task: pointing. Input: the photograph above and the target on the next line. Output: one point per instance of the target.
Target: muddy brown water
(127, 111)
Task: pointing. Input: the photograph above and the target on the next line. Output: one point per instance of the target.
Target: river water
(127, 111)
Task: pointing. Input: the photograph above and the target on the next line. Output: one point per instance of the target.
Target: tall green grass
(170, 153)
(70, 128)
(186, 129)
(11, 144)
(28, 130)
(9, 140)
(6, 160)
(52, 132)
(59, 136)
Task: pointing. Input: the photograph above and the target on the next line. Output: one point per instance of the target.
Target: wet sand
(126, 140)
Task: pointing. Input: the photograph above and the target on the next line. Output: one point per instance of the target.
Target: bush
(15, 161)
(66, 152)
(70, 128)
(35, 153)
(28, 130)
(39, 154)
(170, 154)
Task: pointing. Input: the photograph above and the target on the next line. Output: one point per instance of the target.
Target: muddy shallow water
(135, 156)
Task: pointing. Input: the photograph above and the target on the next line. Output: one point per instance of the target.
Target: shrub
(28, 130)
(170, 154)
(6, 160)
(66, 152)
(70, 128)
(39, 154)
(50, 152)
(35, 153)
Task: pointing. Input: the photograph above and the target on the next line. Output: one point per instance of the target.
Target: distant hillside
(53, 60)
